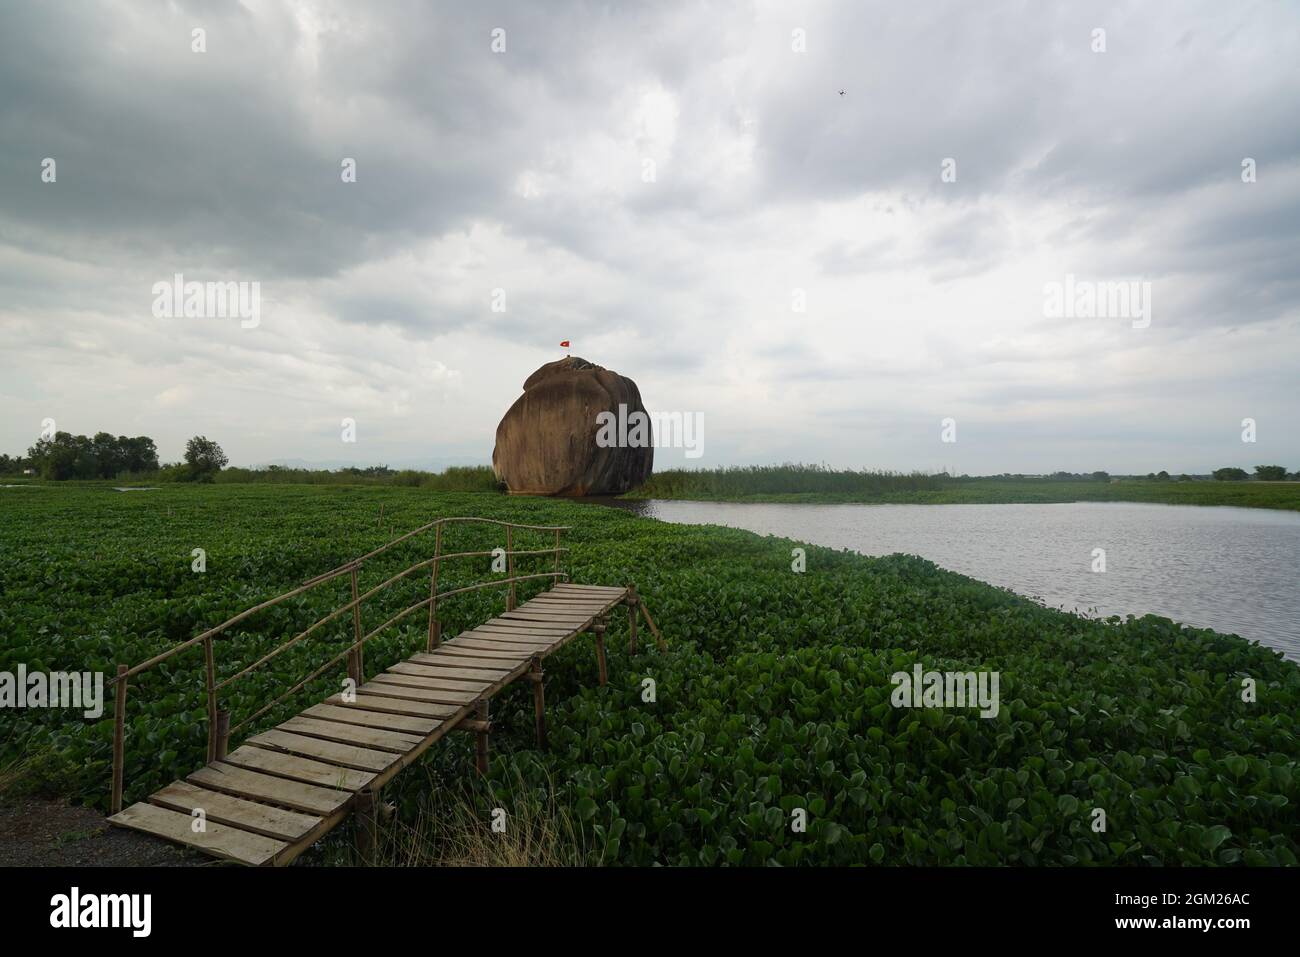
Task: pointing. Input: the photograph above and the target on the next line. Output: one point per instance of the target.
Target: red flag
(564, 344)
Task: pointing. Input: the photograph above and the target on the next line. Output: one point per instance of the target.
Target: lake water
(1235, 570)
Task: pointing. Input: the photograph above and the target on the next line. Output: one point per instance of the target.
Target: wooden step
(219, 840)
(256, 786)
(392, 741)
(418, 709)
(441, 678)
(407, 724)
(344, 755)
(395, 689)
(299, 769)
(274, 822)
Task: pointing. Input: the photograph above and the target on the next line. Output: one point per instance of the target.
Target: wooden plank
(548, 626)
(524, 650)
(505, 632)
(344, 755)
(487, 671)
(250, 784)
(484, 638)
(299, 769)
(568, 601)
(544, 616)
(462, 673)
(431, 684)
(447, 676)
(487, 640)
(523, 624)
(585, 608)
(437, 695)
(367, 702)
(583, 591)
(557, 628)
(450, 648)
(392, 741)
(219, 840)
(426, 662)
(372, 719)
(250, 816)
(515, 627)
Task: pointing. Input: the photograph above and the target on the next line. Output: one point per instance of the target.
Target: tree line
(1263, 473)
(104, 456)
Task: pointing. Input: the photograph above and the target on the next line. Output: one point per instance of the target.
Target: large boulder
(546, 443)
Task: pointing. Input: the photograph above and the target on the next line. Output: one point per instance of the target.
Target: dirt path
(37, 833)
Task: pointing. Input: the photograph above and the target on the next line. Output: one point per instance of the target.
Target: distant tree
(139, 454)
(204, 458)
(1162, 475)
(109, 459)
(1230, 475)
(66, 456)
(1184, 477)
(1270, 473)
(1101, 476)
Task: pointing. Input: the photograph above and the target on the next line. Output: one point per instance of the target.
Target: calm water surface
(1235, 570)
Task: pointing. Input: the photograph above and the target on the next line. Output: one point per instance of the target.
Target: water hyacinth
(772, 704)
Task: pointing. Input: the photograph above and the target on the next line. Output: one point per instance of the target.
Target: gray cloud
(525, 171)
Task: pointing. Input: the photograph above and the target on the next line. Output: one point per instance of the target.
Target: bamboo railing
(218, 718)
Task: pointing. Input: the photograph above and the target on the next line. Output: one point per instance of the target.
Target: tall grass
(454, 829)
(818, 483)
(455, 478)
(742, 480)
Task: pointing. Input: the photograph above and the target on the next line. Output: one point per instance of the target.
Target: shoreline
(1283, 496)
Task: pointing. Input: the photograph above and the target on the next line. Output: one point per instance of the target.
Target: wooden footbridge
(282, 789)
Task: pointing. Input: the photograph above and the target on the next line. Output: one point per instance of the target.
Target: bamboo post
(223, 733)
(510, 567)
(356, 666)
(599, 630)
(539, 702)
(631, 619)
(659, 639)
(210, 676)
(368, 819)
(481, 744)
(435, 630)
(119, 734)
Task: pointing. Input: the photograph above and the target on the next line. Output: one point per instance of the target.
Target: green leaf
(1212, 837)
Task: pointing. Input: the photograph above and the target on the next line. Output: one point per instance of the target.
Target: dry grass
(20, 776)
(459, 831)
(12, 773)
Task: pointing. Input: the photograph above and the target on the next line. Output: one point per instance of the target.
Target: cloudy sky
(663, 185)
